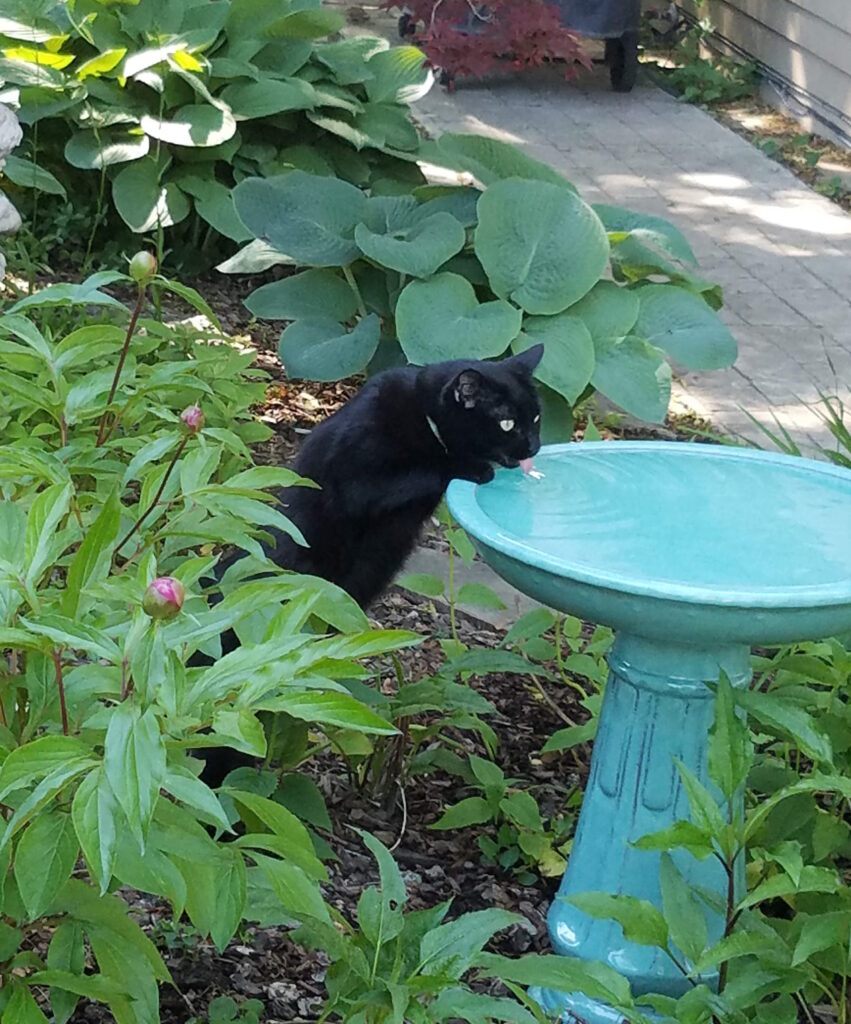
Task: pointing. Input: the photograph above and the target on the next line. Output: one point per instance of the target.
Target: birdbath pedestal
(692, 553)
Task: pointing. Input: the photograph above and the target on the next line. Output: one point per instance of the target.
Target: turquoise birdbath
(692, 553)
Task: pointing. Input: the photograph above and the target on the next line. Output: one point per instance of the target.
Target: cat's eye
(507, 425)
(537, 419)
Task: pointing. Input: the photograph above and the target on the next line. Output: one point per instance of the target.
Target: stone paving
(781, 251)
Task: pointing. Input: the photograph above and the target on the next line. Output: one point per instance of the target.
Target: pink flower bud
(164, 598)
(192, 419)
(143, 266)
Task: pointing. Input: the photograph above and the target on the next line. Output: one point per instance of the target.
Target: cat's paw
(477, 472)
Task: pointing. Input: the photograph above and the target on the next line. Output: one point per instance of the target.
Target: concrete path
(781, 251)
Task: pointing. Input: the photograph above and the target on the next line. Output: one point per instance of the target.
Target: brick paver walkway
(781, 252)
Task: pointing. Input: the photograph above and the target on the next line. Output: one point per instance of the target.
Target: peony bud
(143, 266)
(192, 419)
(164, 598)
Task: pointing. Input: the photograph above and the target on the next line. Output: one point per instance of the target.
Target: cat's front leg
(478, 471)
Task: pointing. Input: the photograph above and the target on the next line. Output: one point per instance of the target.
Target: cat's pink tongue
(527, 465)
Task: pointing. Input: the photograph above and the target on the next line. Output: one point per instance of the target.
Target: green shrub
(105, 489)
(446, 273)
(153, 110)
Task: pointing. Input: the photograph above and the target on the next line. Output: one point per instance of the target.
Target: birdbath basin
(692, 553)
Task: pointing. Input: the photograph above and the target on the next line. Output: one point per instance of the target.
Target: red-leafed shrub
(466, 40)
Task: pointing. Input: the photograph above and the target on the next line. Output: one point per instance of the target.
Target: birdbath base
(658, 709)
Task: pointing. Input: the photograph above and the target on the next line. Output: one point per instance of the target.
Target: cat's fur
(384, 460)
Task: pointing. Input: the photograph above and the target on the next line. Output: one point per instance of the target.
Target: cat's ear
(467, 388)
(529, 358)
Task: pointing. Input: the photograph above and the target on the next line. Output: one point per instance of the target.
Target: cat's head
(490, 411)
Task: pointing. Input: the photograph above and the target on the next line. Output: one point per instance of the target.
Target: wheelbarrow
(615, 21)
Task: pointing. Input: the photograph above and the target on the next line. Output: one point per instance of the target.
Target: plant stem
(352, 283)
(98, 214)
(60, 686)
(103, 433)
(157, 496)
(452, 623)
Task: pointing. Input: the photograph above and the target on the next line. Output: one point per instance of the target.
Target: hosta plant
(476, 273)
(155, 110)
(115, 495)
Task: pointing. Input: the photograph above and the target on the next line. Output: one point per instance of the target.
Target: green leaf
(654, 234)
(22, 1007)
(473, 810)
(44, 859)
(269, 96)
(565, 973)
(568, 360)
(608, 311)
(90, 150)
(65, 955)
(820, 932)
(310, 294)
(398, 75)
(684, 326)
(38, 758)
(196, 125)
(640, 921)
(702, 804)
(92, 561)
(478, 595)
(337, 709)
(522, 809)
(682, 911)
(442, 319)
(813, 879)
(423, 583)
(489, 160)
(681, 835)
(134, 761)
(477, 1008)
(29, 175)
(380, 910)
(321, 349)
(306, 24)
(634, 375)
(254, 258)
(214, 204)
(65, 632)
(540, 245)
(284, 825)
(298, 893)
(142, 202)
(48, 509)
(94, 812)
(730, 748)
(417, 249)
(310, 218)
(190, 790)
(774, 712)
(450, 948)
(104, 62)
(572, 736)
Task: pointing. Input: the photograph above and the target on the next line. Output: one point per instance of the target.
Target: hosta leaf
(441, 318)
(214, 203)
(254, 258)
(197, 124)
(101, 64)
(634, 375)
(399, 75)
(322, 349)
(90, 150)
(540, 245)
(29, 175)
(608, 311)
(310, 218)
(489, 160)
(313, 293)
(653, 233)
(307, 24)
(682, 324)
(143, 202)
(348, 59)
(248, 100)
(417, 250)
(568, 360)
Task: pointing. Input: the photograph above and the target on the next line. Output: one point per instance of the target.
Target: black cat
(384, 460)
